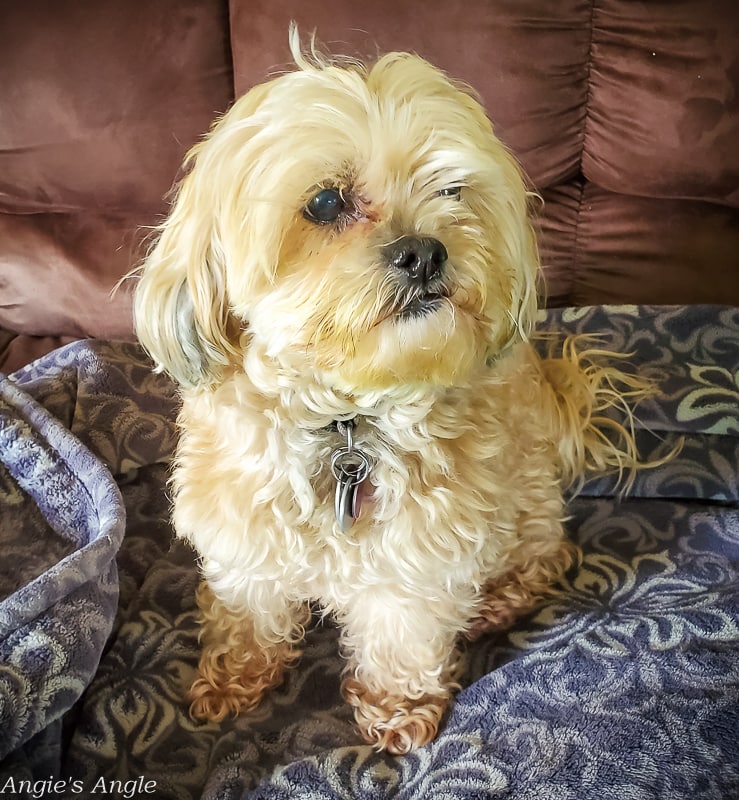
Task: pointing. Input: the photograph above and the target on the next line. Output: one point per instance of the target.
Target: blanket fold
(58, 604)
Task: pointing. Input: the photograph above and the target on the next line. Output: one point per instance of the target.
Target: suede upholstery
(624, 115)
(98, 103)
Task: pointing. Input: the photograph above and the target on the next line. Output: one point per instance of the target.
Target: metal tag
(350, 466)
(345, 504)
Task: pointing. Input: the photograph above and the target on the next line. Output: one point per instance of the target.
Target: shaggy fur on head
(277, 323)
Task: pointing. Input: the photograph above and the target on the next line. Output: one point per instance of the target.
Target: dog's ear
(518, 250)
(180, 304)
(518, 258)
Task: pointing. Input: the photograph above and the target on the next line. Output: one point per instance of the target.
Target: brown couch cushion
(98, 103)
(101, 99)
(58, 271)
(602, 247)
(16, 350)
(663, 111)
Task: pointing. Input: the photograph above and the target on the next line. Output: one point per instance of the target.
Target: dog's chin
(425, 341)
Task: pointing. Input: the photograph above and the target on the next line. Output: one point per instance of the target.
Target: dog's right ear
(180, 304)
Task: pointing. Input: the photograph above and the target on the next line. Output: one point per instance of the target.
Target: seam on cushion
(588, 83)
(577, 248)
(229, 44)
(577, 266)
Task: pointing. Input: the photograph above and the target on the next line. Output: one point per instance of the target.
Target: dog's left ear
(180, 304)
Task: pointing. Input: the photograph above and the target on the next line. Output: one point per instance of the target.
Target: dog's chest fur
(254, 490)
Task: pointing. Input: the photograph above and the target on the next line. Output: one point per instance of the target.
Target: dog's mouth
(408, 303)
(421, 304)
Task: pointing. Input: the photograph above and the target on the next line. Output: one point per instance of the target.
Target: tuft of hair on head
(313, 57)
(301, 57)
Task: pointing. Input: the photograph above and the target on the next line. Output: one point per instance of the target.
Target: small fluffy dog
(345, 292)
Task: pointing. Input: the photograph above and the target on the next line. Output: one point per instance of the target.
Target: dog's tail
(593, 405)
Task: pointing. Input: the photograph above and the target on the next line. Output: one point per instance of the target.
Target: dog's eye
(325, 206)
(454, 192)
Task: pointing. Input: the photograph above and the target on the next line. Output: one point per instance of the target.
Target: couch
(625, 118)
(623, 114)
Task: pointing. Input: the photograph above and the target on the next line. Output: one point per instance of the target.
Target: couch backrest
(98, 103)
(624, 114)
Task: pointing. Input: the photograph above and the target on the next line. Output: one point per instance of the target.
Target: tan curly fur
(276, 325)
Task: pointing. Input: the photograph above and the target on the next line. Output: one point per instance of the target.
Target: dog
(345, 291)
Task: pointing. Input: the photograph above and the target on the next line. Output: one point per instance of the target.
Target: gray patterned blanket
(625, 685)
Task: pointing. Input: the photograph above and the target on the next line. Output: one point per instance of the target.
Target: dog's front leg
(243, 653)
(402, 669)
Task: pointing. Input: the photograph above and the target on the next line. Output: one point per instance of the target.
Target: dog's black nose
(420, 258)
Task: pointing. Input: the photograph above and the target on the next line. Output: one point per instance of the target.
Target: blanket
(624, 684)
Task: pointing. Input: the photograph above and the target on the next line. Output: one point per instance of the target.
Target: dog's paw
(233, 683)
(215, 703)
(395, 723)
(522, 591)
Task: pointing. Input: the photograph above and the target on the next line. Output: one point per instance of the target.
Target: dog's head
(360, 224)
